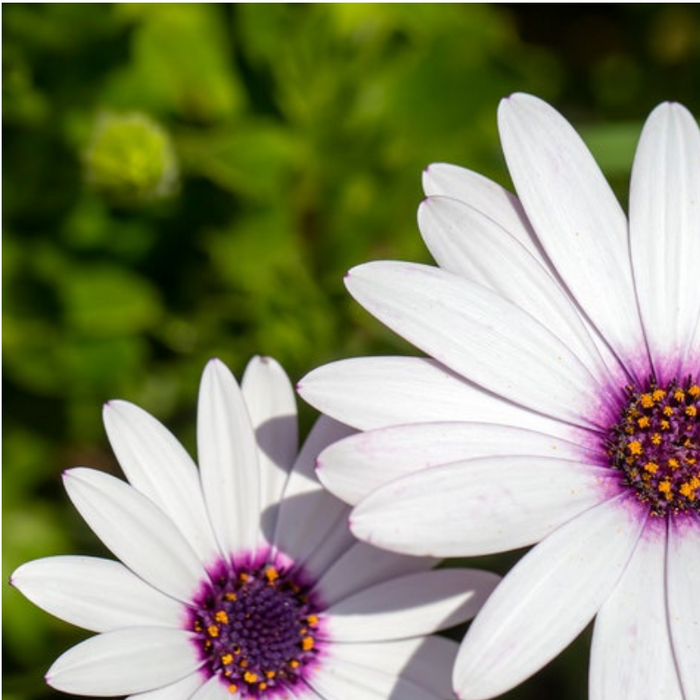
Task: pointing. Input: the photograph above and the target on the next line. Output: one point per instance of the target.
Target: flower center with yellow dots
(656, 446)
(257, 628)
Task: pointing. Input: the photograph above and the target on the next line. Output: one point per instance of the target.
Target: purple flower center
(656, 446)
(257, 628)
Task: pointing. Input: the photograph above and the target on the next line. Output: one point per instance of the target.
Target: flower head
(240, 579)
(559, 405)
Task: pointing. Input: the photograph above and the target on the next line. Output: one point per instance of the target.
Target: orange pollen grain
(307, 643)
(635, 447)
(213, 631)
(222, 617)
(646, 400)
(250, 677)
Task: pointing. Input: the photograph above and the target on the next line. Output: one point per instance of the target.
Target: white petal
(124, 661)
(665, 234)
(179, 690)
(631, 648)
(483, 194)
(136, 531)
(228, 460)
(312, 526)
(411, 605)
(481, 336)
(354, 467)
(362, 566)
(159, 467)
(425, 662)
(479, 506)
(575, 214)
(468, 243)
(214, 689)
(376, 392)
(683, 574)
(269, 395)
(97, 594)
(546, 600)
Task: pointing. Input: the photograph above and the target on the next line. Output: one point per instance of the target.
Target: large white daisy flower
(560, 405)
(241, 579)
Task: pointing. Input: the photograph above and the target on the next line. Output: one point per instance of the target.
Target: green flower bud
(130, 159)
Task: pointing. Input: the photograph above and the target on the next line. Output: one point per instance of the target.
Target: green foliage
(296, 136)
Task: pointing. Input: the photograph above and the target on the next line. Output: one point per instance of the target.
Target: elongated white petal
(97, 594)
(546, 600)
(269, 396)
(411, 605)
(576, 216)
(179, 690)
(136, 531)
(483, 194)
(124, 661)
(214, 689)
(665, 234)
(479, 506)
(158, 466)
(481, 336)
(682, 578)
(631, 650)
(470, 244)
(376, 392)
(228, 460)
(354, 467)
(340, 679)
(363, 566)
(312, 525)
(425, 662)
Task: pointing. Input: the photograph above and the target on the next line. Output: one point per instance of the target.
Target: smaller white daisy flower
(241, 579)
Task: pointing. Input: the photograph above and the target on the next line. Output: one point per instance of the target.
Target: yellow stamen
(226, 659)
(250, 677)
(271, 574)
(646, 400)
(213, 631)
(307, 643)
(222, 617)
(233, 688)
(635, 447)
(651, 467)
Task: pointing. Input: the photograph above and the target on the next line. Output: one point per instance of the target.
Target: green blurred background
(188, 181)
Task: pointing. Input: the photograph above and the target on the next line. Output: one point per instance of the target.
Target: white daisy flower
(241, 579)
(559, 405)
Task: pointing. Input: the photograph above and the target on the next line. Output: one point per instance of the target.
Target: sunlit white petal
(354, 467)
(124, 661)
(665, 235)
(482, 336)
(545, 601)
(682, 576)
(96, 594)
(376, 392)
(479, 506)
(228, 460)
(157, 465)
(140, 534)
(631, 653)
(577, 218)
